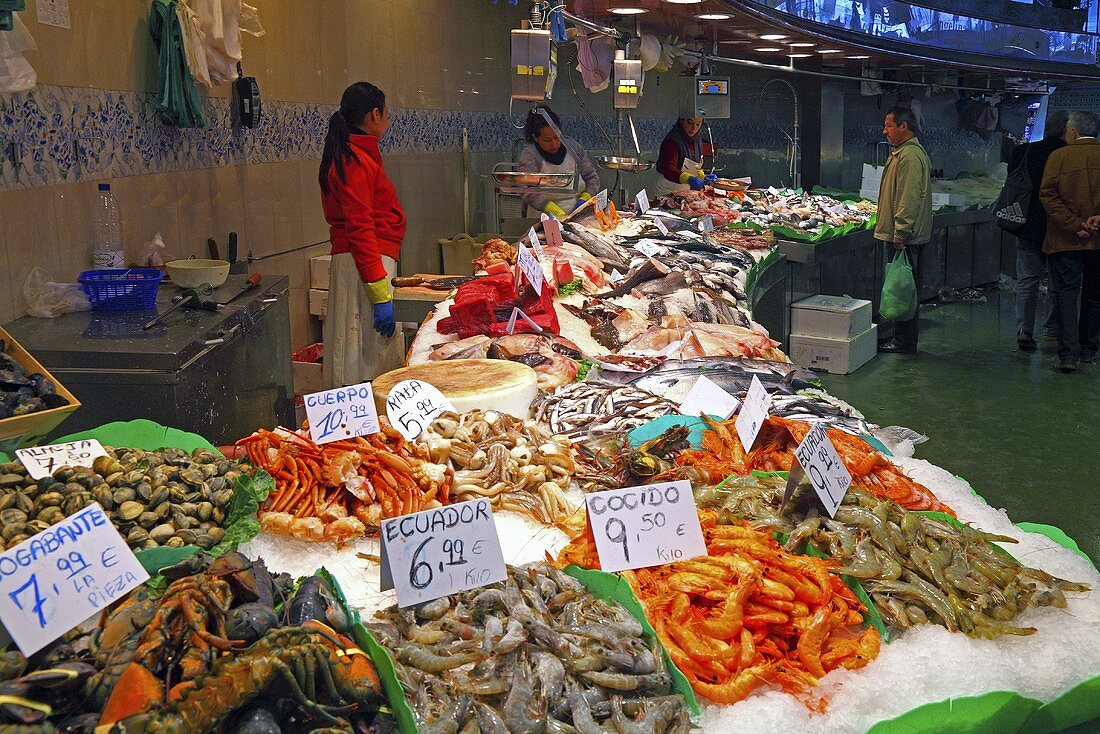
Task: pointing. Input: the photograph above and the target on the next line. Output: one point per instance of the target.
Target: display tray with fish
(732, 374)
(603, 247)
(591, 408)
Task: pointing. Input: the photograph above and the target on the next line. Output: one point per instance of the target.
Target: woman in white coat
(546, 152)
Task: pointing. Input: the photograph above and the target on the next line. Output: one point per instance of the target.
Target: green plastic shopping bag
(899, 290)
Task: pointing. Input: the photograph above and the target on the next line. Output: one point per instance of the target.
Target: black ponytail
(358, 101)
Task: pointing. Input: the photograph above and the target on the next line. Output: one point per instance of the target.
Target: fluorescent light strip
(714, 16)
(628, 11)
(772, 37)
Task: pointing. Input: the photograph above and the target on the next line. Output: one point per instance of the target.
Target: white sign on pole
(642, 200)
(827, 473)
(707, 223)
(530, 268)
(601, 200)
(533, 237)
(636, 527)
(412, 404)
(342, 413)
(440, 552)
(60, 577)
(707, 397)
(661, 226)
(753, 413)
(42, 461)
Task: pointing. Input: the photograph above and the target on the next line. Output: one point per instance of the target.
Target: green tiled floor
(1025, 436)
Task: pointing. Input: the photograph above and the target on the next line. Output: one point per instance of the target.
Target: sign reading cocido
(439, 552)
(341, 413)
(651, 525)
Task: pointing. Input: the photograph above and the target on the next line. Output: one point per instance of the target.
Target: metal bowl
(623, 163)
(540, 180)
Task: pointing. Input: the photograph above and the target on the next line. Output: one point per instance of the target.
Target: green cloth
(177, 101)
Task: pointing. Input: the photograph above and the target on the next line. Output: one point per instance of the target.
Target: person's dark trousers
(905, 332)
(1030, 263)
(1074, 276)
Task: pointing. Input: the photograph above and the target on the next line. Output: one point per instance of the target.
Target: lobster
(310, 661)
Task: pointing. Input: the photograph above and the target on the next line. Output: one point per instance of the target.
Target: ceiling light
(735, 41)
(684, 2)
(799, 56)
(829, 51)
(769, 49)
(628, 11)
(859, 57)
(772, 37)
(714, 16)
(801, 44)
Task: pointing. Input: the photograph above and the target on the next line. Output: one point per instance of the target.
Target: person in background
(1071, 194)
(1030, 260)
(904, 210)
(366, 227)
(546, 152)
(681, 160)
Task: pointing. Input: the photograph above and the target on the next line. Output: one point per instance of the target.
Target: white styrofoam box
(939, 200)
(318, 302)
(318, 271)
(869, 194)
(836, 317)
(838, 356)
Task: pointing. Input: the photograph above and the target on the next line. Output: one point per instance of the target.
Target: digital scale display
(713, 86)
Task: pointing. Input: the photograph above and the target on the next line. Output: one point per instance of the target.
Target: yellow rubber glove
(684, 177)
(554, 210)
(379, 291)
(585, 196)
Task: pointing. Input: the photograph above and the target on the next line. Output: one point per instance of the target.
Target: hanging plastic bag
(899, 290)
(47, 299)
(16, 73)
(155, 254)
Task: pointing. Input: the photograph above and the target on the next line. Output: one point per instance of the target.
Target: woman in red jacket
(366, 227)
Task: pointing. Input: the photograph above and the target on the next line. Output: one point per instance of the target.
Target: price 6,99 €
(453, 554)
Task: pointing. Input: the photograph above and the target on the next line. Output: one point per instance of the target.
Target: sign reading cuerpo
(412, 404)
(42, 461)
(346, 412)
(60, 577)
(636, 527)
(439, 552)
(818, 458)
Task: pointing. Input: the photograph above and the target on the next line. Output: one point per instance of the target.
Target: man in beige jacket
(904, 209)
(1071, 195)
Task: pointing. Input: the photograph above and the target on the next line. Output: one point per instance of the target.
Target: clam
(115, 478)
(174, 542)
(11, 480)
(124, 494)
(133, 477)
(11, 516)
(50, 499)
(51, 515)
(144, 490)
(7, 500)
(104, 496)
(137, 535)
(37, 526)
(76, 502)
(17, 539)
(130, 510)
(222, 498)
(189, 537)
(216, 533)
(105, 465)
(158, 497)
(23, 502)
(205, 510)
(161, 533)
(192, 476)
(10, 531)
(163, 509)
(148, 519)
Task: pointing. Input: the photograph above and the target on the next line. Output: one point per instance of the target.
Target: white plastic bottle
(106, 230)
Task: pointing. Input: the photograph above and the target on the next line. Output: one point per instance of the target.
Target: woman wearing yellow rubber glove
(681, 160)
(546, 152)
(366, 227)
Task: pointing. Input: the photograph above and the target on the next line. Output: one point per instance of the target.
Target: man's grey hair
(1086, 124)
(904, 115)
(1056, 124)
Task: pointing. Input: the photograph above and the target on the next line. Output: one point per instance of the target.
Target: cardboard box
(308, 369)
(838, 356)
(22, 431)
(318, 302)
(835, 317)
(319, 268)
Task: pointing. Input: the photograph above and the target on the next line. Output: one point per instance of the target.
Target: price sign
(60, 577)
(818, 459)
(707, 223)
(535, 244)
(412, 404)
(42, 461)
(439, 552)
(601, 200)
(645, 526)
(753, 413)
(552, 228)
(642, 200)
(661, 226)
(616, 276)
(707, 397)
(346, 412)
(647, 247)
(530, 268)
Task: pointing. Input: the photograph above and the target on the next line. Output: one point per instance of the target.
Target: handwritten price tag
(412, 404)
(601, 200)
(647, 247)
(616, 276)
(661, 226)
(818, 459)
(636, 527)
(530, 268)
(535, 244)
(753, 413)
(642, 200)
(707, 223)
(439, 552)
(707, 397)
(42, 461)
(519, 314)
(346, 412)
(58, 578)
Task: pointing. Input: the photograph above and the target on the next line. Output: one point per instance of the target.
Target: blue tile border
(68, 134)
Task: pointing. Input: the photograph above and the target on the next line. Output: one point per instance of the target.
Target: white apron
(354, 351)
(569, 165)
(664, 187)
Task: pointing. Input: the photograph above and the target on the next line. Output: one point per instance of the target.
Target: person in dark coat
(1030, 260)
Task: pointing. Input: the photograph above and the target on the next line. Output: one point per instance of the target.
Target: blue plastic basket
(129, 289)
